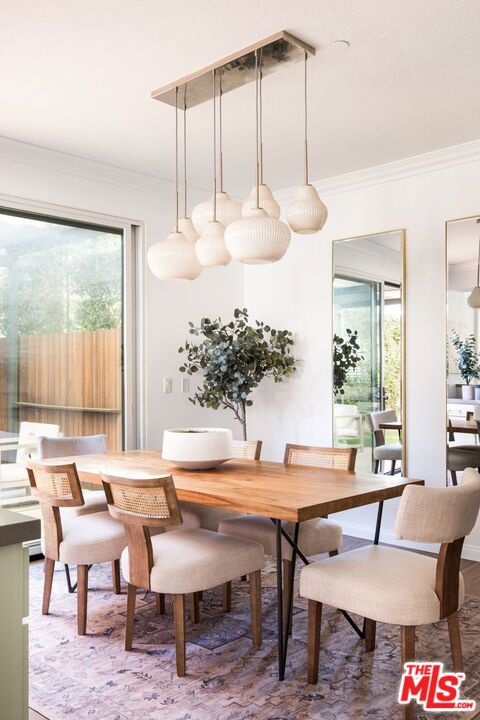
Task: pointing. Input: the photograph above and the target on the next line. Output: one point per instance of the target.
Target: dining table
(454, 425)
(287, 494)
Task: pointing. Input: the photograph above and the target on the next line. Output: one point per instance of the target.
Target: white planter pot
(197, 448)
(468, 392)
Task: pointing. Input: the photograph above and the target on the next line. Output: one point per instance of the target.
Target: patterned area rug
(92, 677)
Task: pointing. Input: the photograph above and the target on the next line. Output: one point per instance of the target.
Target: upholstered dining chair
(460, 457)
(70, 538)
(397, 586)
(316, 536)
(381, 450)
(181, 562)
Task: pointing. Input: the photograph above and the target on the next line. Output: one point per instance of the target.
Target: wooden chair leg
(194, 601)
(179, 621)
(48, 569)
(256, 607)
(313, 647)
(287, 574)
(82, 594)
(392, 471)
(408, 654)
(117, 589)
(160, 603)
(227, 597)
(370, 633)
(453, 473)
(332, 553)
(131, 599)
(455, 642)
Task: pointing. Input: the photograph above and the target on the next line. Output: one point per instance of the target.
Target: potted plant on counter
(467, 361)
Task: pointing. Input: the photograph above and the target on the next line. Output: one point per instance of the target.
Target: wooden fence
(71, 379)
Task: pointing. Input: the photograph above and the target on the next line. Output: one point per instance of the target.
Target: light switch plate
(167, 385)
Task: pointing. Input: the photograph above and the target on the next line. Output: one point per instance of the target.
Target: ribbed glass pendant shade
(257, 238)
(306, 214)
(265, 201)
(174, 258)
(185, 226)
(474, 298)
(210, 247)
(228, 210)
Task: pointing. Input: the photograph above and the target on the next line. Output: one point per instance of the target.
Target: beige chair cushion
(95, 501)
(315, 536)
(460, 457)
(89, 539)
(187, 561)
(393, 451)
(208, 518)
(385, 584)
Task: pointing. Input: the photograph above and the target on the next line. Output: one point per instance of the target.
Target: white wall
(35, 174)
(419, 195)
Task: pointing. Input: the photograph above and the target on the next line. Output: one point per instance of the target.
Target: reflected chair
(70, 538)
(397, 586)
(460, 457)
(347, 426)
(381, 450)
(181, 562)
(316, 536)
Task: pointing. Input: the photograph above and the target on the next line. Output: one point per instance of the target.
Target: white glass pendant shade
(474, 298)
(185, 226)
(210, 247)
(174, 258)
(265, 201)
(228, 210)
(306, 213)
(257, 238)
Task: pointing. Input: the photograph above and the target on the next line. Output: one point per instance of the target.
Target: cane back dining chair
(69, 538)
(316, 536)
(397, 586)
(180, 562)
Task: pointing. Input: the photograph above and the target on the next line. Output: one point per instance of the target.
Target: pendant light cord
(214, 93)
(478, 262)
(220, 128)
(257, 131)
(185, 204)
(261, 118)
(176, 159)
(305, 118)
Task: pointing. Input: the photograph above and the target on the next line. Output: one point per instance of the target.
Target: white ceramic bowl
(197, 448)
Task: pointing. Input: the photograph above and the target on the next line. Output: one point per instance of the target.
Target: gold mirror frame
(403, 274)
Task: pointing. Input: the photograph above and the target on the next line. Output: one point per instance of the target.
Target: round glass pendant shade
(185, 226)
(306, 214)
(228, 210)
(265, 201)
(257, 238)
(174, 258)
(210, 247)
(474, 298)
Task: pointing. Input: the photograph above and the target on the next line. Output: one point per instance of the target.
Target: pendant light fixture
(265, 195)
(474, 297)
(210, 247)
(227, 209)
(257, 238)
(174, 258)
(306, 214)
(185, 225)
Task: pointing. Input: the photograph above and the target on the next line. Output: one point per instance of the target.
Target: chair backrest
(345, 416)
(335, 458)
(28, 434)
(247, 449)
(446, 516)
(142, 503)
(53, 447)
(374, 421)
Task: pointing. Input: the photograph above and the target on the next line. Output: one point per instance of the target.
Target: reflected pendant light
(210, 247)
(174, 258)
(474, 297)
(227, 209)
(265, 195)
(257, 238)
(306, 214)
(185, 225)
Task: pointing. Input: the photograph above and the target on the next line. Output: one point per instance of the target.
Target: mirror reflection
(368, 366)
(463, 360)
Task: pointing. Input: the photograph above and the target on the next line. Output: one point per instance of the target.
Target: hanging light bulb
(228, 210)
(210, 247)
(265, 195)
(174, 258)
(306, 214)
(474, 298)
(257, 238)
(185, 225)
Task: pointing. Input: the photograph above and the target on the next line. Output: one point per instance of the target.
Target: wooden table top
(454, 426)
(263, 488)
(397, 425)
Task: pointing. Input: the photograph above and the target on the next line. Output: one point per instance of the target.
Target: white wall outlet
(167, 385)
(185, 385)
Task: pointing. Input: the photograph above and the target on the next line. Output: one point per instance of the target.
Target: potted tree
(233, 359)
(467, 361)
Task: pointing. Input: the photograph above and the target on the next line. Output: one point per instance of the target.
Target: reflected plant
(346, 356)
(467, 356)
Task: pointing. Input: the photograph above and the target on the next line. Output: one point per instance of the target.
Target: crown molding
(390, 172)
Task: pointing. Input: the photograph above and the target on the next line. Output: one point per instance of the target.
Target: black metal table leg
(71, 588)
(379, 523)
(286, 629)
(281, 654)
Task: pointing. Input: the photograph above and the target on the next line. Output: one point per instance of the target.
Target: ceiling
(463, 237)
(77, 77)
